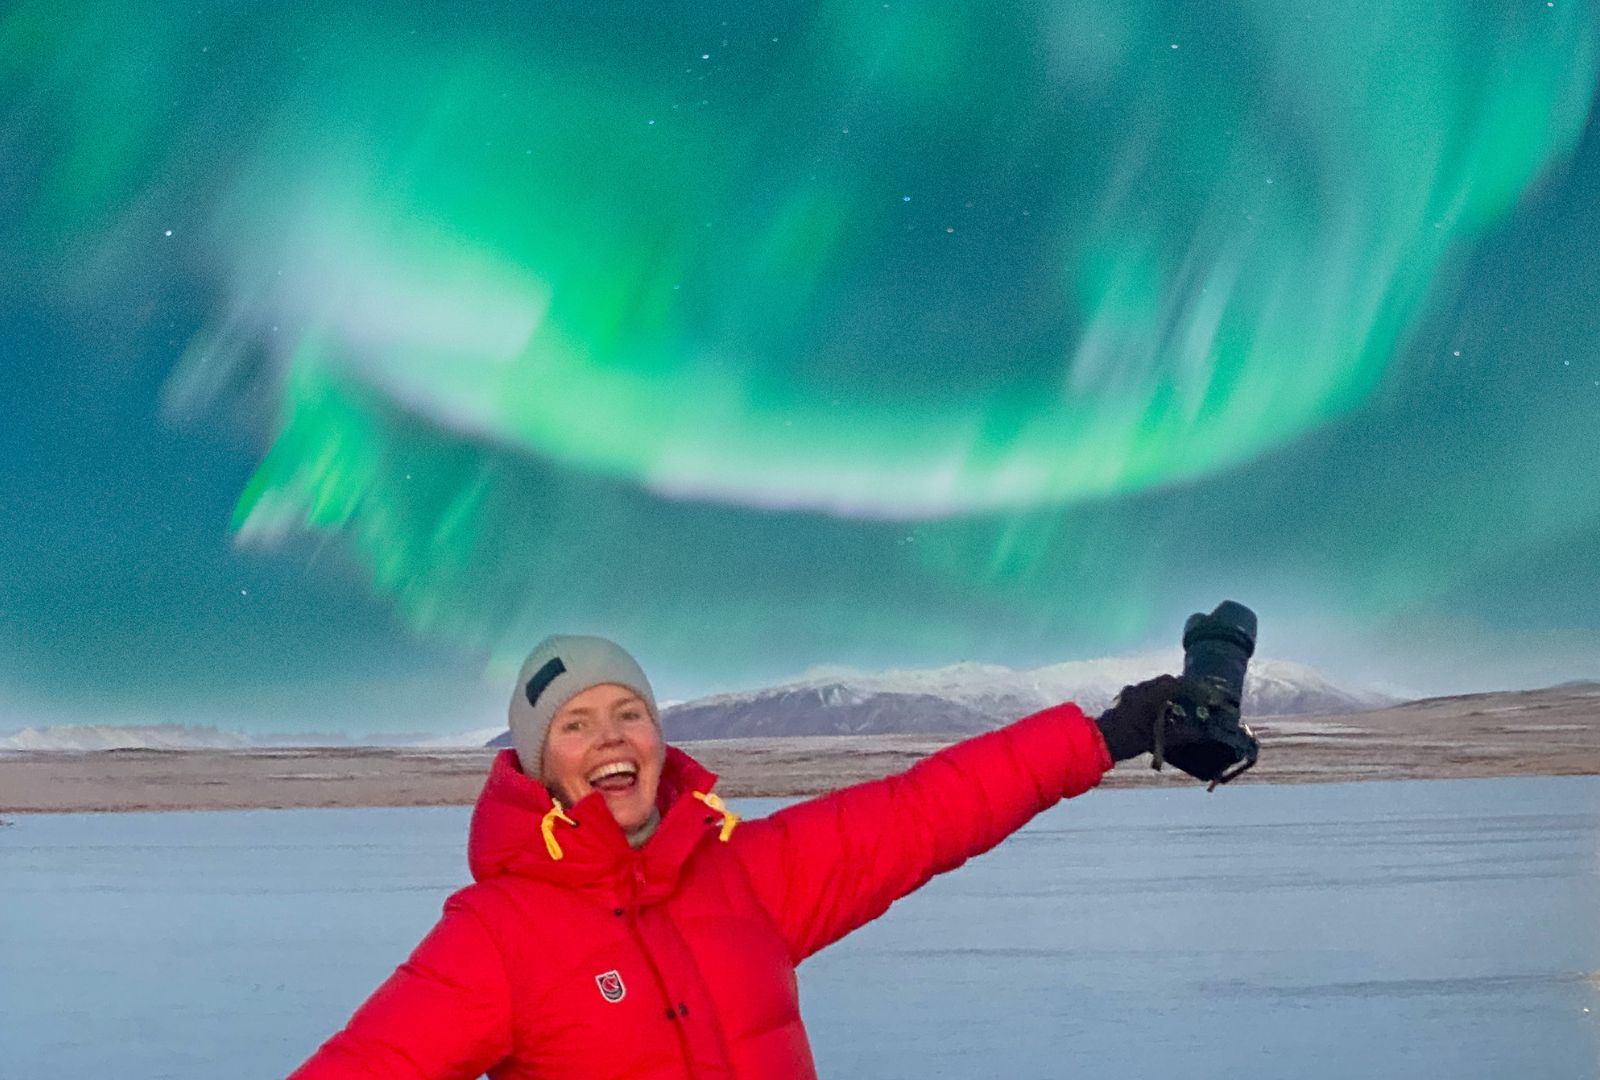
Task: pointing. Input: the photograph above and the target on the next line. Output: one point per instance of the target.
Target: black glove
(1130, 724)
(1189, 722)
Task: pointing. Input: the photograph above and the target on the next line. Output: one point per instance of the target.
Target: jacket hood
(518, 829)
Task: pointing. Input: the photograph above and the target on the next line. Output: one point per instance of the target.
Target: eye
(571, 725)
(632, 714)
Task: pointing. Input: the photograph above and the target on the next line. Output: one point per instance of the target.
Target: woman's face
(605, 740)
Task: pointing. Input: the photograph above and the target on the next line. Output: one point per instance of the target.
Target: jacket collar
(516, 830)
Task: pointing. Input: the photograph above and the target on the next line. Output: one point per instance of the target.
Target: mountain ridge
(968, 698)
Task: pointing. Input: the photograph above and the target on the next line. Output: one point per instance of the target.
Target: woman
(624, 923)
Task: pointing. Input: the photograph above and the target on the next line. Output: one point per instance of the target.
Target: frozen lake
(1443, 928)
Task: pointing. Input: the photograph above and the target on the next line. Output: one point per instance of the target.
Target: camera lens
(1217, 648)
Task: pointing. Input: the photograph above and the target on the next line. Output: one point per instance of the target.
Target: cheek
(651, 750)
(563, 759)
(653, 747)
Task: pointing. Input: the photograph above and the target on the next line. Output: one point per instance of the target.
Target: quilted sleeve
(823, 867)
(443, 1015)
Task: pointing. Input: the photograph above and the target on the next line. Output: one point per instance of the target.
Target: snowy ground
(1333, 930)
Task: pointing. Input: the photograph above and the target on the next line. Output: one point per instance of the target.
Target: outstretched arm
(443, 1015)
(828, 865)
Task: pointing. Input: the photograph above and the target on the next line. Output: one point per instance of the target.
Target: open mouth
(616, 777)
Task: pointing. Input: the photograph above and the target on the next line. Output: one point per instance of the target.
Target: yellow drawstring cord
(547, 826)
(729, 818)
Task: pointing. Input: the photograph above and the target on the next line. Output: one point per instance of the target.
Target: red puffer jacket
(576, 955)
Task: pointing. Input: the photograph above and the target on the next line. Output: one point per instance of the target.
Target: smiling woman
(620, 925)
(606, 739)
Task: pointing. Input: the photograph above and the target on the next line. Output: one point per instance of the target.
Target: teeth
(613, 769)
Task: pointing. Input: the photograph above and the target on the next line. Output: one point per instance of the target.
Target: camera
(1202, 733)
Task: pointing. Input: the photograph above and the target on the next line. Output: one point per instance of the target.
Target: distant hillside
(86, 737)
(967, 698)
(1551, 732)
(950, 701)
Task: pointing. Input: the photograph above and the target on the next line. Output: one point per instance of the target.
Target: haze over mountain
(968, 698)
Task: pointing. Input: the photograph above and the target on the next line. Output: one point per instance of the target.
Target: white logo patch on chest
(610, 984)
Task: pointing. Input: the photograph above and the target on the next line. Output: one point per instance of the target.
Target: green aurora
(878, 333)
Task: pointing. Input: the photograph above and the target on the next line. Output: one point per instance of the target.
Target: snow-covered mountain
(85, 738)
(466, 740)
(968, 698)
(103, 737)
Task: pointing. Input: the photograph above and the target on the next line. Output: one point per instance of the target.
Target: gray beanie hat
(559, 669)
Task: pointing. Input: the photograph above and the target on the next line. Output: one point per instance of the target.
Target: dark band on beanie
(542, 679)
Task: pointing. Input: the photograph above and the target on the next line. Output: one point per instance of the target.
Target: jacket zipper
(675, 1015)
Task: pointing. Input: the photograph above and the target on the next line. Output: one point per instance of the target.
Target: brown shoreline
(1552, 732)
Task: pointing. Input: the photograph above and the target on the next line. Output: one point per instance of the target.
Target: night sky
(348, 350)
